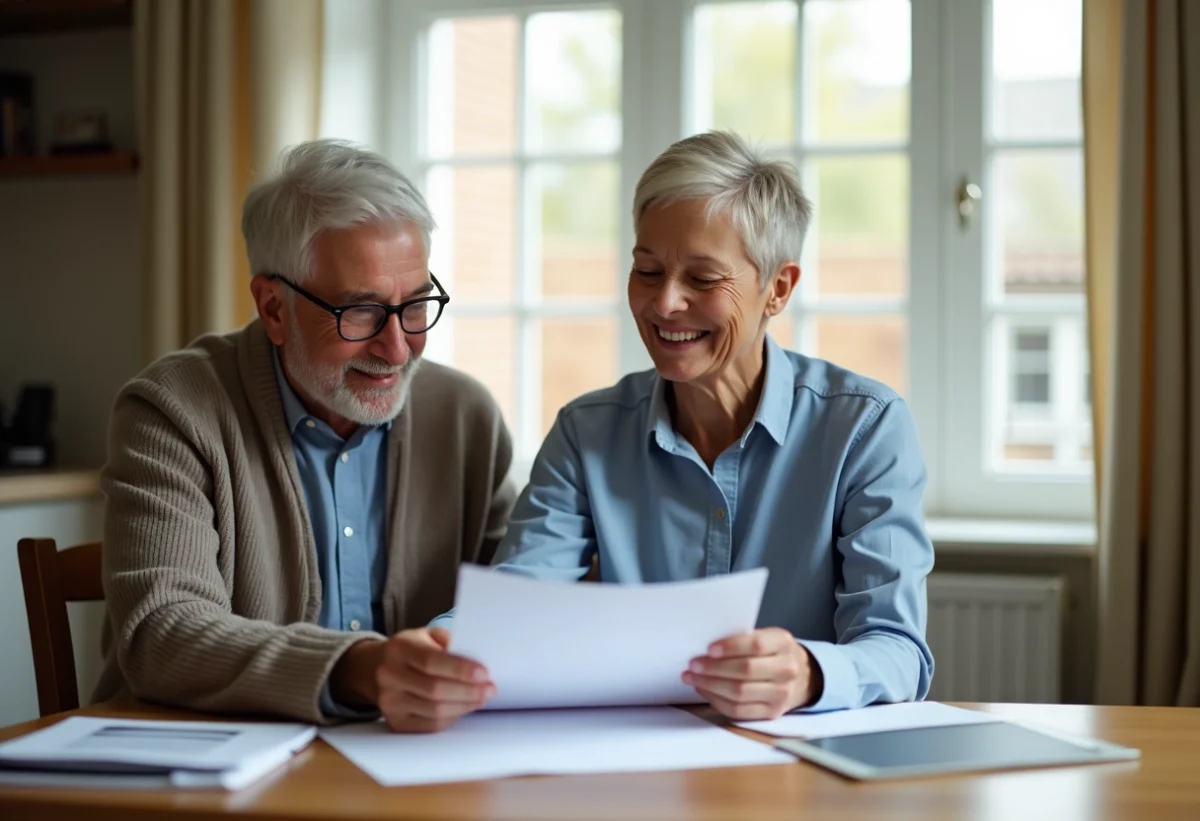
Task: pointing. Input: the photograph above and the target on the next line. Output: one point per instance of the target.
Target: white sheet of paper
(874, 719)
(548, 742)
(555, 644)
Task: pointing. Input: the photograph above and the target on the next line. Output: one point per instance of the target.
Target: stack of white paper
(134, 753)
(549, 742)
(550, 644)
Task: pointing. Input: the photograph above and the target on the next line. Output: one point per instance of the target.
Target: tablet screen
(996, 744)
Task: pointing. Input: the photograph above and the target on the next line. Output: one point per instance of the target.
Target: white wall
(70, 278)
(68, 522)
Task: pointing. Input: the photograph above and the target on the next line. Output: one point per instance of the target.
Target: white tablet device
(996, 745)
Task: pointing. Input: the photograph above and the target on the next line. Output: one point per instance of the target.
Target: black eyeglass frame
(338, 311)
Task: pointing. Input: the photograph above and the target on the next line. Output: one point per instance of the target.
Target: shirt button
(345, 458)
(719, 513)
(310, 423)
(349, 532)
(355, 624)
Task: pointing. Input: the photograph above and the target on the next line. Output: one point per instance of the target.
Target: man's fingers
(416, 724)
(436, 709)
(444, 689)
(441, 636)
(420, 650)
(763, 642)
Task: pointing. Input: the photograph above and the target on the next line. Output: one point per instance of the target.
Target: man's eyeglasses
(356, 323)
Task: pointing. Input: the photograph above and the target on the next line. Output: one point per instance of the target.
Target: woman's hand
(759, 675)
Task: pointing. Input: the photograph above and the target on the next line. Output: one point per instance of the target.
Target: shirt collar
(774, 405)
(779, 392)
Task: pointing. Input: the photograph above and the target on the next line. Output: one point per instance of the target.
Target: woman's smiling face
(694, 292)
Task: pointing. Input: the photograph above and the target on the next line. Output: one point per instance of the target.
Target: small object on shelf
(16, 115)
(26, 442)
(81, 132)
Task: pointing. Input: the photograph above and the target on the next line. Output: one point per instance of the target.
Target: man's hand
(424, 689)
(759, 675)
(415, 683)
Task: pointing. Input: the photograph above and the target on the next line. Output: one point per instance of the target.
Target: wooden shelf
(52, 16)
(70, 164)
(47, 484)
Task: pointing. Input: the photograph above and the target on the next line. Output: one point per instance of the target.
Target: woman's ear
(781, 286)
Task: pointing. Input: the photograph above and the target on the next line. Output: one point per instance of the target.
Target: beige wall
(70, 281)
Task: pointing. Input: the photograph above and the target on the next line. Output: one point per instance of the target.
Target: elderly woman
(733, 454)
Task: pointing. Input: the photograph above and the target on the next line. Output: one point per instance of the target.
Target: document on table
(556, 644)
(874, 719)
(136, 753)
(548, 742)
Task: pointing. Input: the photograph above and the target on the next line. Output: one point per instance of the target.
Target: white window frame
(949, 347)
(971, 486)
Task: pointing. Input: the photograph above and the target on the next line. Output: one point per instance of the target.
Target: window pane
(1038, 246)
(745, 57)
(857, 61)
(472, 91)
(579, 354)
(859, 243)
(486, 348)
(1036, 59)
(873, 346)
(573, 81)
(577, 210)
(1041, 417)
(475, 244)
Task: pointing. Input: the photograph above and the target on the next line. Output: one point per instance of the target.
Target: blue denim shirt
(823, 488)
(345, 486)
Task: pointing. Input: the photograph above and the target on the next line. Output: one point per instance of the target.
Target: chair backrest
(51, 578)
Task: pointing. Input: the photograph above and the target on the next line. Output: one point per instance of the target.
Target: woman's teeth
(680, 336)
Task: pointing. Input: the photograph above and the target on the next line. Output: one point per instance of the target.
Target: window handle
(968, 194)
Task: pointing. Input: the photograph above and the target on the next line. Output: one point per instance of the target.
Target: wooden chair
(51, 578)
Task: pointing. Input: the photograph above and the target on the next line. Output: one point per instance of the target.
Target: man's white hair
(323, 185)
(761, 196)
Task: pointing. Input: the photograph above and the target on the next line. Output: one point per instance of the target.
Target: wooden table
(320, 784)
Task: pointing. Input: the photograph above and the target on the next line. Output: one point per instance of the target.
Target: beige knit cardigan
(210, 567)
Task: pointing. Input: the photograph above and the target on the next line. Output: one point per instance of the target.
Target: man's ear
(781, 287)
(269, 303)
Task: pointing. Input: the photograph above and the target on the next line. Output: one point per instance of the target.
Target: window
(939, 139)
(519, 157)
(1031, 367)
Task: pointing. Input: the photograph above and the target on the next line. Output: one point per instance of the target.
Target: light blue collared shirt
(823, 489)
(345, 487)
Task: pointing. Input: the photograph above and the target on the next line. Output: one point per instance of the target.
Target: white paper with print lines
(874, 719)
(556, 644)
(548, 742)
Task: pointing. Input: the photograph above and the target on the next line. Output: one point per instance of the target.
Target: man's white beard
(329, 386)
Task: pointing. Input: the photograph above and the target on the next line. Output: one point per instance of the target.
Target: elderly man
(283, 497)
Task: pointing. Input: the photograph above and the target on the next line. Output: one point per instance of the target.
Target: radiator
(996, 638)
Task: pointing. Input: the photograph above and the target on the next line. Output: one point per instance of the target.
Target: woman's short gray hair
(761, 196)
(323, 185)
